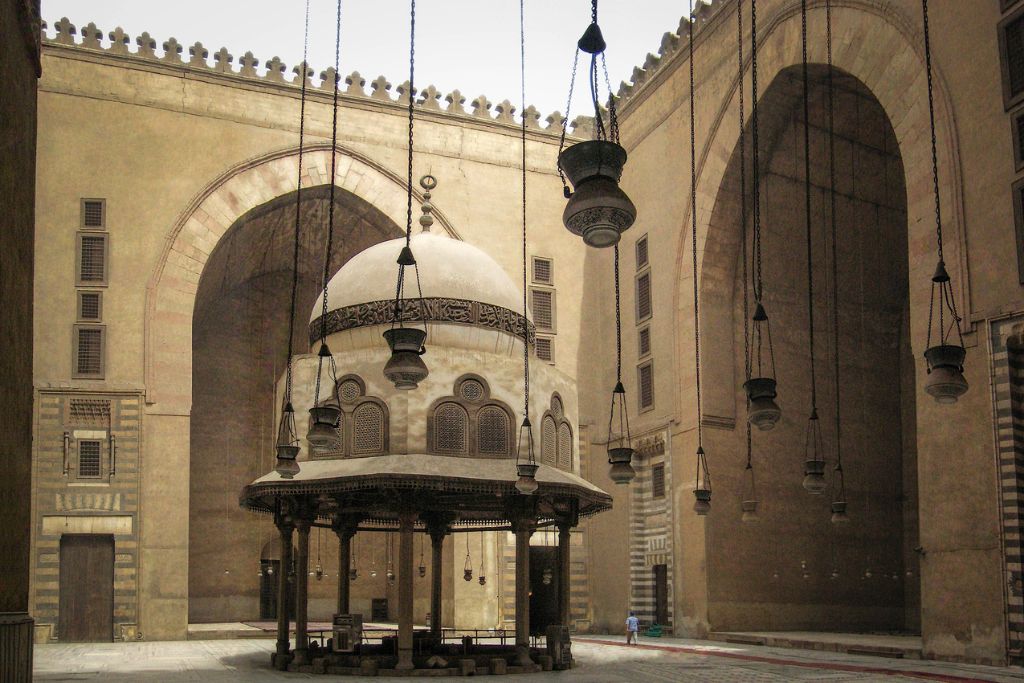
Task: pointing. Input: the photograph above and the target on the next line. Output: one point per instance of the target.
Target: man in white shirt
(632, 627)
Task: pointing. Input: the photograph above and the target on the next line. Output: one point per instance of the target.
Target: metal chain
(931, 118)
(743, 218)
(755, 160)
(412, 90)
(618, 322)
(298, 216)
(693, 216)
(526, 323)
(807, 202)
(835, 231)
(613, 117)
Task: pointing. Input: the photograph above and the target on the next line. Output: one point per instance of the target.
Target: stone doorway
(86, 589)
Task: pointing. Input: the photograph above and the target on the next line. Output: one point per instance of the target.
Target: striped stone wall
(650, 526)
(1008, 387)
(65, 503)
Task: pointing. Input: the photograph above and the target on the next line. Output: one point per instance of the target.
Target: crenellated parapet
(672, 44)
(274, 71)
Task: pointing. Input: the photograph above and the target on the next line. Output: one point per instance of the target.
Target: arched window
(493, 431)
(548, 441)
(564, 446)
(451, 429)
(368, 429)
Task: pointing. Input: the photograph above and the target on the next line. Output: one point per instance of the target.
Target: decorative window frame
(550, 282)
(641, 408)
(92, 234)
(348, 423)
(472, 408)
(1009, 100)
(81, 214)
(76, 329)
(555, 414)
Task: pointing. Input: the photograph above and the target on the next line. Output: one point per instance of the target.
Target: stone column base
(16, 638)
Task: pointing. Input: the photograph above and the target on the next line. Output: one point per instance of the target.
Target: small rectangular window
(1018, 219)
(643, 297)
(89, 459)
(92, 259)
(546, 349)
(90, 306)
(658, 480)
(94, 214)
(1011, 52)
(543, 271)
(89, 345)
(641, 252)
(542, 305)
(646, 383)
(1017, 131)
(644, 342)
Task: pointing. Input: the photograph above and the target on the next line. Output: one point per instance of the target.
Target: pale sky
(471, 45)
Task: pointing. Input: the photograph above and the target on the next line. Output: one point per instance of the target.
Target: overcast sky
(471, 45)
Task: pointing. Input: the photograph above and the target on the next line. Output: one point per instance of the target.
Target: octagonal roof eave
(478, 485)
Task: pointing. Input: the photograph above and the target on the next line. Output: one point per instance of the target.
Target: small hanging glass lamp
(287, 444)
(467, 567)
(750, 502)
(526, 463)
(762, 411)
(620, 449)
(839, 515)
(814, 465)
(702, 493)
(325, 415)
(481, 579)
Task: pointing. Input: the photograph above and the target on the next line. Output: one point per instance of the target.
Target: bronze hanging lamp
(405, 368)
(526, 460)
(422, 569)
(945, 360)
(814, 462)
(598, 210)
(750, 503)
(353, 572)
(287, 447)
(839, 515)
(761, 387)
(620, 444)
(325, 415)
(481, 579)
(467, 566)
(702, 489)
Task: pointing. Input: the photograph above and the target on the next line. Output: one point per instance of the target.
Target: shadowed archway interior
(239, 346)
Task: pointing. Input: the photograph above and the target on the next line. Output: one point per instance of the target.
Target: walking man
(632, 627)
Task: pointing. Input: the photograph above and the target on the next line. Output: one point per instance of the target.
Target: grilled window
(88, 360)
(368, 433)
(88, 459)
(564, 446)
(493, 431)
(92, 259)
(1018, 216)
(90, 305)
(646, 394)
(546, 349)
(542, 304)
(641, 252)
(548, 441)
(543, 271)
(94, 213)
(658, 480)
(1011, 45)
(644, 342)
(451, 429)
(643, 297)
(89, 412)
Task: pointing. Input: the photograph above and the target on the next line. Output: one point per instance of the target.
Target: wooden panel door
(661, 594)
(86, 589)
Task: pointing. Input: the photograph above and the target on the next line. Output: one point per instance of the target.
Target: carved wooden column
(302, 524)
(437, 534)
(523, 527)
(285, 527)
(405, 593)
(563, 573)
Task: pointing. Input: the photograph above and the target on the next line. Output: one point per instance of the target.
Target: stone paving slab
(608, 661)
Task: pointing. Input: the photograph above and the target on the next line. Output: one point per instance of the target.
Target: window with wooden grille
(543, 271)
(546, 349)
(89, 460)
(548, 441)
(1018, 219)
(641, 253)
(88, 360)
(94, 214)
(643, 345)
(368, 429)
(493, 431)
(92, 259)
(1011, 48)
(451, 429)
(658, 480)
(542, 305)
(90, 306)
(564, 446)
(643, 297)
(646, 383)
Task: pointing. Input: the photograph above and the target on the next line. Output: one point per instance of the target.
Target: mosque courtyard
(599, 659)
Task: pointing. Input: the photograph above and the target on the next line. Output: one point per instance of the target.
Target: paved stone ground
(604, 661)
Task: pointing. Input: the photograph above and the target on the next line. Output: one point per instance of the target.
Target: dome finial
(428, 183)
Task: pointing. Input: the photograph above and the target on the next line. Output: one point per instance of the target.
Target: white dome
(448, 268)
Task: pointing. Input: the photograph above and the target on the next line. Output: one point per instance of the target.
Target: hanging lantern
(467, 568)
(814, 466)
(287, 444)
(482, 580)
(834, 575)
(839, 499)
(620, 451)
(405, 369)
(319, 571)
(547, 576)
(749, 504)
(391, 576)
(325, 415)
(598, 210)
(762, 410)
(702, 494)
(945, 382)
(839, 515)
(526, 463)
(422, 569)
(353, 574)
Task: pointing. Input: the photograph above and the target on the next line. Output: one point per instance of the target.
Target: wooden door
(661, 594)
(86, 589)
(543, 588)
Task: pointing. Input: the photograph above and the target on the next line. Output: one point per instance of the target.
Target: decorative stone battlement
(672, 44)
(274, 71)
